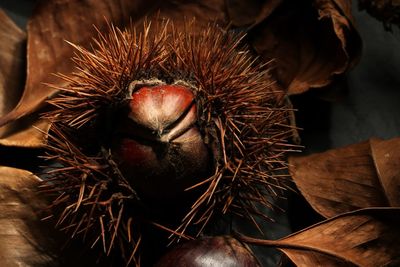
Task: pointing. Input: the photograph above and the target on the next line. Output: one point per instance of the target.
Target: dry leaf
(249, 13)
(349, 178)
(12, 51)
(386, 156)
(32, 137)
(310, 43)
(25, 240)
(22, 238)
(368, 238)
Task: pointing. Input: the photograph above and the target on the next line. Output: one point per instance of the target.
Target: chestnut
(222, 251)
(159, 147)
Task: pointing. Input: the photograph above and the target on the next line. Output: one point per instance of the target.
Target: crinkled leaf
(12, 51)
(367, 238)
(349, 178)
(12, 76)
(310, 43)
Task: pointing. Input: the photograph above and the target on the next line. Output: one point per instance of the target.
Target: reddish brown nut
(222, 251)
(159, 147)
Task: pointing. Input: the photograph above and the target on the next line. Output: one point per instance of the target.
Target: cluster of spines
(242, 114)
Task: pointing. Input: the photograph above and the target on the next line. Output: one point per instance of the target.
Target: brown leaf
(249, 13)
(309, 43)
(26, 240)
(12, 51)
(22, 241)
(349, 178)
(386, 158)
(54, 22)
(34, 136)
(367, 238)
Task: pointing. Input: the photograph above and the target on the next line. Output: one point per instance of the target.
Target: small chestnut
(222, 251)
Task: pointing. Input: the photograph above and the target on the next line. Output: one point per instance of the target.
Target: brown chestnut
(222, 251)
(159, 146)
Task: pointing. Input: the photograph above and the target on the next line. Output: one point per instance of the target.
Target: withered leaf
(52, 23)
(12, 76)
(34, 136)
(349, 178)
(367, 238)
(310, 43)
(23, 241)
(249, 13)
(386, 156)
(12, 51)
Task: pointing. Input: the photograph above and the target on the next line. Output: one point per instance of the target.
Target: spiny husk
(242, 115)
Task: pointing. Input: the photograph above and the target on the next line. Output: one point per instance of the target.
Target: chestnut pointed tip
(157, 107)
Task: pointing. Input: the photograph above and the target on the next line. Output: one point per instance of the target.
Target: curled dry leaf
(310, 43)
(12, 75)
(349, 178)
(368, 238)
(12, 46)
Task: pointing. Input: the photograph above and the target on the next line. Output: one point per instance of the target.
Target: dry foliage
(12, 51)
(367, 238)
(22, 238)
(311, 42)
(354, 177)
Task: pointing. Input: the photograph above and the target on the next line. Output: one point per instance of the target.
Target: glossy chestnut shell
(159, 146)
